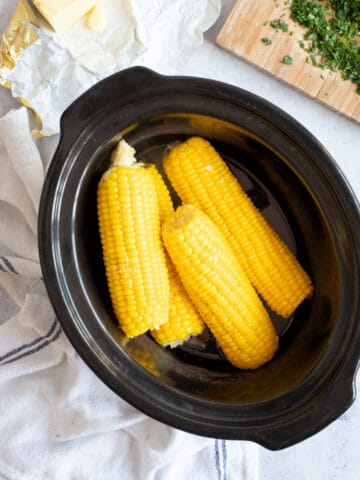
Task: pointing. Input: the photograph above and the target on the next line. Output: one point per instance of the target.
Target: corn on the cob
(219, 288)
(134, 256)
(166, 206)
(184, 320)
(202, 178)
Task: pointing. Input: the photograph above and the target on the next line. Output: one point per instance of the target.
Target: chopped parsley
(332, 36)
(280, 24)
(266, 41)
(288, 60)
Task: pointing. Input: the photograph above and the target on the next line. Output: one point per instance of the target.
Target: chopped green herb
(333, 34)
(322, 77)
(266, 23)
(266, 41)
(280, 24)
(288, 60)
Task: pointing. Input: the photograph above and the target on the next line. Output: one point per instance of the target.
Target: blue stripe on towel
(217, 460)
(224, 455)
(36, 349)
(29, 344)
(9, 265)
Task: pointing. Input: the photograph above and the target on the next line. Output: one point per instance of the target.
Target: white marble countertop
(334, 453)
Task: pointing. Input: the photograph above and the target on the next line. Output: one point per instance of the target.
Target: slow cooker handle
(316, 415)
(121, 88)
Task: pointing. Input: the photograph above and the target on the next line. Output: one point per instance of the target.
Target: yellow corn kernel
(166, 206)
(202, 178)
(134, 256)
(219, 288)
(184, 320)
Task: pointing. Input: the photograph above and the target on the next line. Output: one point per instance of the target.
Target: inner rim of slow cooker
(304, 342)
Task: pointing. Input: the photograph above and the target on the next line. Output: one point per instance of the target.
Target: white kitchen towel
(58, 421)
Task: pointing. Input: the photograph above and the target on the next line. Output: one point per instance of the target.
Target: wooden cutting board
(242, 33)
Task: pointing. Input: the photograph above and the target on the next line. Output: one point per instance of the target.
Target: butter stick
(62, 14)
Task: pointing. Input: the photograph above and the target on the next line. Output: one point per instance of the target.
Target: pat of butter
(62, 14)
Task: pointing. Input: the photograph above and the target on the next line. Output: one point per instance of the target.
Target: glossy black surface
(298, 187)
